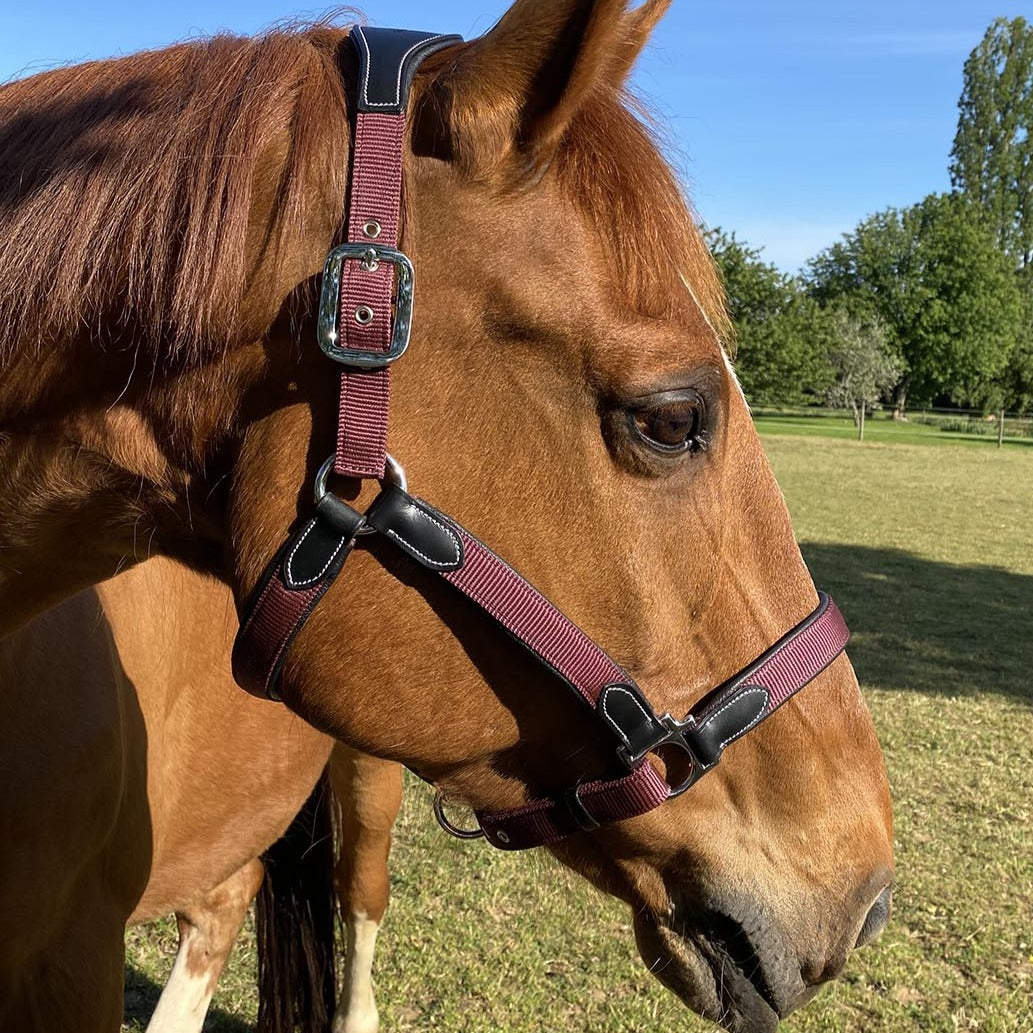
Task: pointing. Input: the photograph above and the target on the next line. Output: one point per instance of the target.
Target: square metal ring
(327, 327)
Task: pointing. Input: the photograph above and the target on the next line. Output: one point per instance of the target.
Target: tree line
(931, 304)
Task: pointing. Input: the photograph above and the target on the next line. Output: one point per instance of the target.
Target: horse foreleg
(370, 794)
(207, 931)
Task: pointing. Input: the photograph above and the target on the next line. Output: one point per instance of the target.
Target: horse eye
(672, 424)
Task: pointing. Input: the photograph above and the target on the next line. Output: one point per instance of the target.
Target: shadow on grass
(935, 627)
(142, 995)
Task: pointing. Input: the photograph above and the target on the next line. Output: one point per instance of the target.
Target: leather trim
(626, 712)
(388, 60)
(418, 529)
(734, 718)
(274, 614)
(315, 549)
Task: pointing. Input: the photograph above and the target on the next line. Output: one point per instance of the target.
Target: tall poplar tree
(992, 157)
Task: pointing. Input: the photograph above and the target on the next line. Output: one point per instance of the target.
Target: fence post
(1000, 428)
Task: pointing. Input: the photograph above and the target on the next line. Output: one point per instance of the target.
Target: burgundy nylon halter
(364, 324)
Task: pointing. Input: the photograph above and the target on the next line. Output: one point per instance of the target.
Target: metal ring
(452, 830)
(394, 474)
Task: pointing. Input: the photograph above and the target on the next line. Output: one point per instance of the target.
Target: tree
(948, 295)
(781, 340)
(863, 366)
(992, 157)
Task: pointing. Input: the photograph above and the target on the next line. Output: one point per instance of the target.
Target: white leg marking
(184, 1001)
(357, 1012)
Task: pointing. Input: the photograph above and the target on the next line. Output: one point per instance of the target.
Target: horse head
(567, 395)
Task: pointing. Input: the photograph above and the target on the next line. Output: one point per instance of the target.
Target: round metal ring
(394, 474)
(452, 830)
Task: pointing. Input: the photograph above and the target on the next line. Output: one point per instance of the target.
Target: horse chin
(705, 977)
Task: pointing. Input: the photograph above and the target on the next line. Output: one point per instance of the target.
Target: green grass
(881, 428)
(930, 554)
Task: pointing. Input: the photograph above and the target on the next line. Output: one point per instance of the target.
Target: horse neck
(100, 475)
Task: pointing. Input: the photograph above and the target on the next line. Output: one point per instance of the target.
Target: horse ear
(635, 31)
(506, 99)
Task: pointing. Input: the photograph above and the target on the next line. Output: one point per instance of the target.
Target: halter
(364, 324)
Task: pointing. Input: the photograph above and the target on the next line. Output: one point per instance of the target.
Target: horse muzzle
(739, 972)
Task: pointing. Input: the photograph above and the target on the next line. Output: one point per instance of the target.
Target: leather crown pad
(388, 59)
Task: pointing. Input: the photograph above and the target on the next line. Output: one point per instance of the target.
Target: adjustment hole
(364, 315)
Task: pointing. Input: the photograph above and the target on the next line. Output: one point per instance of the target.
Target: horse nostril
(877, 918)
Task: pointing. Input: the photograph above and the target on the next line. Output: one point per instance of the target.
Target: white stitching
(627, 692)
(401, 67)
(426, 559)
(731, 703)
(290, 558)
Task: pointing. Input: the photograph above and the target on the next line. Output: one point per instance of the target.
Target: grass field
(929, 552)
(882, 428)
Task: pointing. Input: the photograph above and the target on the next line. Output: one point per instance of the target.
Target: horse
(222, 776)
(566, 391)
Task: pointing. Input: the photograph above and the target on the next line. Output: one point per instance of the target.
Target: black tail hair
(295, 919)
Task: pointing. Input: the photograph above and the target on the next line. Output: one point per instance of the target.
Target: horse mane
(127, 185)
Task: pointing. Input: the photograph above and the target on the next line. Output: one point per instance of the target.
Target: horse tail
(295, 922)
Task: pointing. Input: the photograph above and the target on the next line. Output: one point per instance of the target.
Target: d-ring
(452, 830)
(393, 474)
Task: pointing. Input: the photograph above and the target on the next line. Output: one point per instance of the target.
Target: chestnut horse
(222, 775)
(163, 220)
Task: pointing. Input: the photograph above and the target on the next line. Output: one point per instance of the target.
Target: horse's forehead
(547, 256)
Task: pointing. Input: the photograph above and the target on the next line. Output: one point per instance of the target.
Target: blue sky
(790, 120)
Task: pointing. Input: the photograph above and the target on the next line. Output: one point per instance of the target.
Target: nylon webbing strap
(388, 60)
(365, 317)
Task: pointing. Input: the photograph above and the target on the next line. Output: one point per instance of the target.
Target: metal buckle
(675, 734)
(371, 255)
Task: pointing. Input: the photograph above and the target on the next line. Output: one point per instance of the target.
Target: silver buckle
(371, 255)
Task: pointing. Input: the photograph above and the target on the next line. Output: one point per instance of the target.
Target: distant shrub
(967, 425)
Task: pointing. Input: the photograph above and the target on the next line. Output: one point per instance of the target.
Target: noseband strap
(376, 281)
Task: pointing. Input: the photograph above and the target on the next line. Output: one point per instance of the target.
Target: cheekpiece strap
(374, 299)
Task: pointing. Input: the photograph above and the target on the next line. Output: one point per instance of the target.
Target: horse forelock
(127, 187)
(612, 164)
